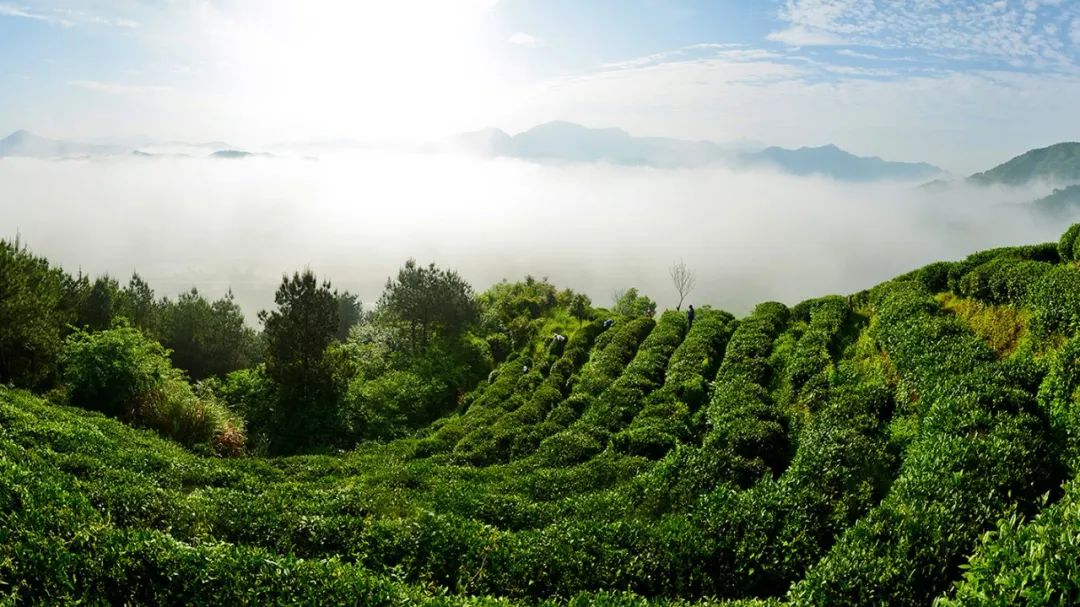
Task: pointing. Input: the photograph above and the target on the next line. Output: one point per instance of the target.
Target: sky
(960, 83)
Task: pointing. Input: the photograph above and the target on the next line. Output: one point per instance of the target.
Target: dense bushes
(1055, 301)
(848, 451)
(1059, 397)
(122, 373)
(1002, 280)
(980, 446)
(1031, 562)
(746, 430)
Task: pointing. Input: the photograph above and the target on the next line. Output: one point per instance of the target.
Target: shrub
(1067, 247)
(1026, 562)
(114, 371)
(1059, 396)
(122, 373)
(1055, 302)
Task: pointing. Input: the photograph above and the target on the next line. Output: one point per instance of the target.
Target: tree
(207, 338)
(101, 304)
(33, 316)
(139, 305)
(683, 279)
(297, 335)
(508, 308)
(427, 301)
(580, 307)
(630, 303)
(350, 311)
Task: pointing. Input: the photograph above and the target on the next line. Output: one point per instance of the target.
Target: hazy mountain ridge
(1060, 201)
(24, 143)
(839, 164)
(566, 142)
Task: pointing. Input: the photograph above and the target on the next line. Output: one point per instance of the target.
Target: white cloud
(120, 88)
(64, 17)
(526, 40)
(1018, 31)
(11, 10)
(800, 35)
(963, 121)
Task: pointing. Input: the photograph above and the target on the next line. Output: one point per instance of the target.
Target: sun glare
(378, 70)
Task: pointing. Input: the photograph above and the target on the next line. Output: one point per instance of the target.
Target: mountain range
(566, 142)
(25, 143)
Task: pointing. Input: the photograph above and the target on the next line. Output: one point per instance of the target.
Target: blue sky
(960, 83)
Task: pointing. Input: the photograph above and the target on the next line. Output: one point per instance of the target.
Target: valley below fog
(751, 236)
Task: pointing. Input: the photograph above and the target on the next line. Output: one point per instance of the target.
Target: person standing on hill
(690, 316)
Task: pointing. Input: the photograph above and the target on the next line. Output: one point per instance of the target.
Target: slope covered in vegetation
(1059, 162)
(914, 442)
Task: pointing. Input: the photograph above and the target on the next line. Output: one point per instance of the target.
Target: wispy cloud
(120, 88)
(801, 35)
(64, 17)
(526, 40)
(1020, 33)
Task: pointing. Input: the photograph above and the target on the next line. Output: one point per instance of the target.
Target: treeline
(323, 373)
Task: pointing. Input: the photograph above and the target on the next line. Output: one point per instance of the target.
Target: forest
(914, 443)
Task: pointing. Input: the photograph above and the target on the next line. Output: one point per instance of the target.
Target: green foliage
(1003, 280)
(427, 301)
(207, 338)
(32, 316)
(883, 448)
(1055, 301)
(980, 447)
(1068, 248)
(508, 308)
(349, 311)
(630, 304)
(114, 371)
(122, 373)
(297, 334)
(1059, 396)
(100, 304)
(1029, 562)
(1001, 327)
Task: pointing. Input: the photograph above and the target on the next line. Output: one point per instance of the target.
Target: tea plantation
(914, 443)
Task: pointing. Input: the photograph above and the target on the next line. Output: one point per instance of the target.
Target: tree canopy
(426, 301)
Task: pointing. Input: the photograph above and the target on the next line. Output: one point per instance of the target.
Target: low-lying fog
(751, 237)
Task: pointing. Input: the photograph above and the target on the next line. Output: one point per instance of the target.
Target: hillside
(1060, 202)
(566, 142)
(1058, 163)
(914, 441)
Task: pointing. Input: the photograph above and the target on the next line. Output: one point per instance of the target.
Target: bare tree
(684, 280)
